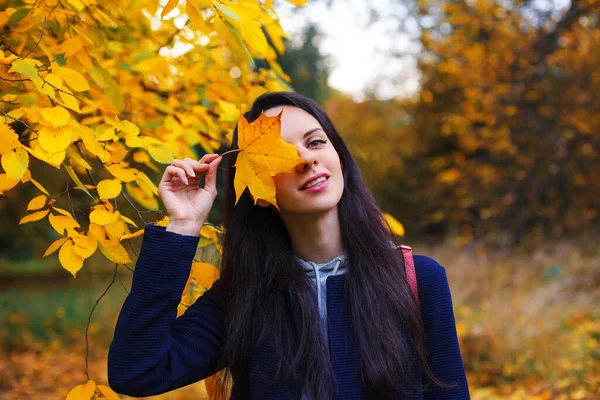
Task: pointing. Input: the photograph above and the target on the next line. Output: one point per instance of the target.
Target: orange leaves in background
(263, 155)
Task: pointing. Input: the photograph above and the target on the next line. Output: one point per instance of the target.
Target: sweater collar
(336, 264)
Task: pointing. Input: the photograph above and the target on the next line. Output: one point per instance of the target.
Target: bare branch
(39, 40)
(87, 327)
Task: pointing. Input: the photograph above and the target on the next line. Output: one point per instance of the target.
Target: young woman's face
(317, 185)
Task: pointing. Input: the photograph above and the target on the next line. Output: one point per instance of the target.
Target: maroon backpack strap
(409, 264)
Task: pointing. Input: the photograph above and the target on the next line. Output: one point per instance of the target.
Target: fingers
(190, 170)
(172, 172)
(210, 182)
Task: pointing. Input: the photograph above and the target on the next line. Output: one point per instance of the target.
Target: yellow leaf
(128, 128)
(157, 150)
(122, 172)
(105, 132)
(171, 4)
(114, 251)
(108, 393)
(61, 211)
(254, 37)
(39, 186)
(116, 229)
(111, 88)
(62, 222)
(127, 220)
(36, 203)
(70, 260)
(77, 159)
(196, 17)
(6, 183)
(36, 216)
(57, 115)
(227, 13)
(97, 231)
(54, 246)
(69, 101)
(149, 203)
(146, 184)
(103, 217)
(54, 80)
(396, 227)
(15, 163)
(230, 112)
(263, 155)
(77, 181)
(54, 140)
(85, 246)
(132, 235)
(72, 78)
(205, 274)
(109, 188)
(8, 138)
(9, 97)
(82, 392)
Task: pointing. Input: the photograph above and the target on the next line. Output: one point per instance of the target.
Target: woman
(312, 300)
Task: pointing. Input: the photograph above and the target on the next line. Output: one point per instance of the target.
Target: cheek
(283, 183)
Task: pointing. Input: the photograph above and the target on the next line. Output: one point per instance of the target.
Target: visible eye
(316, 142)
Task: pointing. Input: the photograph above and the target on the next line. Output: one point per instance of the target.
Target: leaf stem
(230, 151)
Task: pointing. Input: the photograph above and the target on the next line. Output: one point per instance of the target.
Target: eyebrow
(311, 131)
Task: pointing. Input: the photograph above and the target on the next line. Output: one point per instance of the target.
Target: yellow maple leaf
(263, 155)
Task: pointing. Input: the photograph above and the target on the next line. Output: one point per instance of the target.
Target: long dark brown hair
(261, 278)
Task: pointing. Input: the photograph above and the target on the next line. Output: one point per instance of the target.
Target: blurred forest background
(492, 165)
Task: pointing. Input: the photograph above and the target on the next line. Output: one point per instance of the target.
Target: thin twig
(87, 327)
(122, 284)
(39, 40)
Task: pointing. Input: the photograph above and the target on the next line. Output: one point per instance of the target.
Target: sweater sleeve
(153, 351)
(443, 350)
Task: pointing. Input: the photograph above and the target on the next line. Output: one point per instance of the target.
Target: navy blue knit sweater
(154, 352)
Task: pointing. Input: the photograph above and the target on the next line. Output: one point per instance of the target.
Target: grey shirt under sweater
(318, 273)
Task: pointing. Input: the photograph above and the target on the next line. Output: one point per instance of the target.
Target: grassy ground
(528, 323)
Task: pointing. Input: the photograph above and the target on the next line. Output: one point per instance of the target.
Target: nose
(309, 158)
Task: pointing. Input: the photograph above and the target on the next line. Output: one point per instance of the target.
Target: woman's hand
(186, 203)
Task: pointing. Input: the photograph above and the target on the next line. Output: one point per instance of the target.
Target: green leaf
(143, 55)
(18, 15)
(103, 78)
(226, 11)
(152, 124)
(240, 43)
(24, 68)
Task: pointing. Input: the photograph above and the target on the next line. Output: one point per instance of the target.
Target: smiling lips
(315, 181)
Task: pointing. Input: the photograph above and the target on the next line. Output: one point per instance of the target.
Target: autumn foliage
(106, 92)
